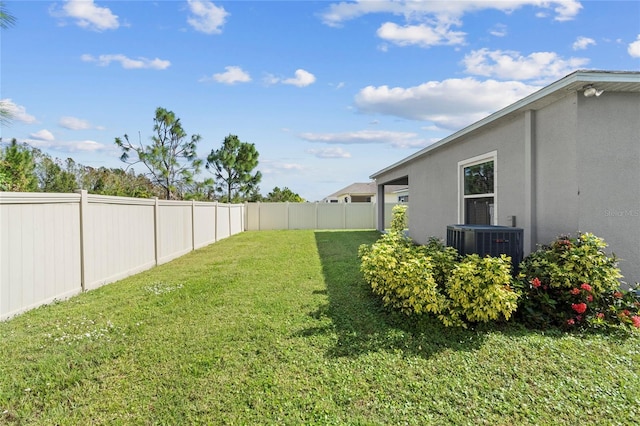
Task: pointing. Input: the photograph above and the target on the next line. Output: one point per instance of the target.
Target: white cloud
(302, 78)
(331, 152)
(540, 67)
(449, 104)
(269, 167)
(17, 112)
(441, 11)
(395, 139)
(70, 146)
(582, 43)
(73, 123)
(499, 30)
(270, 79)
(128, 63)
(206, 17)
(232, 75)
(634, 48)
(42, 135)
(88, 15)
(421, 35)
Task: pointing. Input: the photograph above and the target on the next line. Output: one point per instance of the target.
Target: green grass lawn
(279, 328)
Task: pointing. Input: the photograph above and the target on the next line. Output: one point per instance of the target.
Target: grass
(279, 328)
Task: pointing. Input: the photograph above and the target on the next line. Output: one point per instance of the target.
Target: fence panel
(53, 246)
(331, 215)
(360, 216)
(175, 229)
(119, 238)
(265, 216)
(236, 218)
(303, 216)
(272, 216)
(204, 224)
(39, 250)
(222, 222)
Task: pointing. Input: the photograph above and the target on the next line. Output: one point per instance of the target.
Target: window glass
(478, 179)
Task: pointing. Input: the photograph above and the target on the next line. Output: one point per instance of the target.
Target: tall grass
(279, 328)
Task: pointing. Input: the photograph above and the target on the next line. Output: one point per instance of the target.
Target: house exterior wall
(556, 195)
(608, 170)
(587, 173)
(571, 166)
(433, 179)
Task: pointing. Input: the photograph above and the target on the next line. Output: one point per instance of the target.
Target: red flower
(636, 321)
(626, 313)
(579, 307)
(617, 295)
(575, 291)
(589, 298)
(570, 321)
(585, 286)
(600, 315)
(536, 282)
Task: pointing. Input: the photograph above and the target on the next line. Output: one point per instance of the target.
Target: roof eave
(582, 77)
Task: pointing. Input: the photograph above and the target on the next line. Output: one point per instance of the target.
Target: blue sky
(329, 92)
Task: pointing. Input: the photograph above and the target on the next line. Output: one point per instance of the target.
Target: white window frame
(479, 159)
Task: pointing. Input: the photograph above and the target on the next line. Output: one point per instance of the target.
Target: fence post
(83, 207)
(245, 219)
(344, 215)
(259, 217)
(193, 225)
(215, 219)
(156, 228)
(286, 214)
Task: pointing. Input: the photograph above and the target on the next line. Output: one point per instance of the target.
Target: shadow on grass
(359, 319)
(363, 324)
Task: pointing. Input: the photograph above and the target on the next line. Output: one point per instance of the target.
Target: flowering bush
(572, 282)
(618, 307)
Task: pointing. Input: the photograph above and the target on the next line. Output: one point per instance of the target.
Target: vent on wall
(486, 240)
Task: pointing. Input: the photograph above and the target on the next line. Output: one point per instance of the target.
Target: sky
(329, 92)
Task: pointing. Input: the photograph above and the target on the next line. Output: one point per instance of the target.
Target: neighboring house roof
(609, 81)
(364, 188)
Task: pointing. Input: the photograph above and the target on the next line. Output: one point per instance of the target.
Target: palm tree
(6, 20)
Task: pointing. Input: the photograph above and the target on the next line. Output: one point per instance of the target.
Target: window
(477, 190)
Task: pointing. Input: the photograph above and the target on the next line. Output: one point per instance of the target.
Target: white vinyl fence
(267, 216)
(53, 246)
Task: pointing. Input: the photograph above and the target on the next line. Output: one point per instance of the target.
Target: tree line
(171, 169)
(171, 165)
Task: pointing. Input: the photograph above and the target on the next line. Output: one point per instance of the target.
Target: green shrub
(430, 279)
(399, 220)
(567, 282)
(443, 258)
(401, 273)
(480, 290)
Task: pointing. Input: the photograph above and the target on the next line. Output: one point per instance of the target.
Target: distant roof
(609, 81)
(365, 188)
